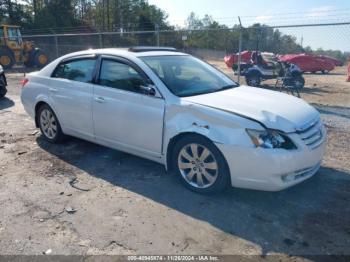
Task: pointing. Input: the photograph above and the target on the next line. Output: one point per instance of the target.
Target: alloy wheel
(48, 124)
(198, 166)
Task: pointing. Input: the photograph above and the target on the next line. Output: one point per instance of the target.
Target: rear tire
(253, 80)
(204, 171)
(49, 125)
(7, 60)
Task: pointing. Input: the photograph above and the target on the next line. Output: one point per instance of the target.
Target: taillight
(24, 82)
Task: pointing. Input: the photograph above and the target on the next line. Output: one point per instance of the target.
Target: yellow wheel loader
(13, 50)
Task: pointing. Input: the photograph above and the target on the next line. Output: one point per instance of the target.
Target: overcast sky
(273, 12)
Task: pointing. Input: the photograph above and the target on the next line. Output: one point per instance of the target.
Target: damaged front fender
(218, 126)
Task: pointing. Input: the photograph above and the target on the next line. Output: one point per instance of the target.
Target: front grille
(311, 133)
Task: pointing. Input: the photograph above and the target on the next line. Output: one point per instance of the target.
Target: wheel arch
(36, 110)
(253, 72)
(38, 105)
(173, 141)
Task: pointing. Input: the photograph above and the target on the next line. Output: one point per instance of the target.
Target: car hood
(273, 109)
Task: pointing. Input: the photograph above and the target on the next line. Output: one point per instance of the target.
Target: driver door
(124, 116)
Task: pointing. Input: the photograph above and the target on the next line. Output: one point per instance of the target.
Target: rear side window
(77, 70)
(120, 76)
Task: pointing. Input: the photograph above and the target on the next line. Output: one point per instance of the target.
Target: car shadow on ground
(310, 218)
(6, 103)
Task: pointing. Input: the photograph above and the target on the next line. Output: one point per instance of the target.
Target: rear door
(123, 114)
(71, 90)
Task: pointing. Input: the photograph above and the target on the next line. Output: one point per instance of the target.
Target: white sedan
(177, 110)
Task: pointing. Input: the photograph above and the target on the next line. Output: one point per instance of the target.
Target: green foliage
(207, 33)
(58, 13)
(98, 15)
(13, 13)
(342, 56)
(74, 16)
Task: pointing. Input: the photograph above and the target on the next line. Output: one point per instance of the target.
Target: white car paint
(274, 109)
(145, 125)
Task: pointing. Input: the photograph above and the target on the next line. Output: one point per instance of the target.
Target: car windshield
(186, 75)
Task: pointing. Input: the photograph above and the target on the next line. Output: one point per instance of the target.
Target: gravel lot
(128, 205)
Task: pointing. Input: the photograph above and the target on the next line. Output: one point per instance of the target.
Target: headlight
(270, 139)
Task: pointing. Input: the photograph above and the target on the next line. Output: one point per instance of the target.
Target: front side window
(78, 70)
(14, 34)
(185, 75)
(120, 76)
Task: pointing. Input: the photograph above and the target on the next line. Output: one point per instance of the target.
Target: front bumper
(272, 169)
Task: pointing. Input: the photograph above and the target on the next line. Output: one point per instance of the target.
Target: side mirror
(148, 89)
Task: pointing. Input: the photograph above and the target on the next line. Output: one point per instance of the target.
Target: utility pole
(121, 22)
(103, 15)
(36, 9)
(156, 27)
(301, 41)
(108, 21)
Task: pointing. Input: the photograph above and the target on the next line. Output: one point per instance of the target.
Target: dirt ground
(329, 90)
(122, 204)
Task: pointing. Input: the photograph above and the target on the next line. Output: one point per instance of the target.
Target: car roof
(125, 52)
(121, 52)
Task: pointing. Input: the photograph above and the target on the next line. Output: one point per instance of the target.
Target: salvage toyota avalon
(177, 110)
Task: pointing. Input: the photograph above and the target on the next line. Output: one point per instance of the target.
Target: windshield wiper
(207, 91)
(225, 88)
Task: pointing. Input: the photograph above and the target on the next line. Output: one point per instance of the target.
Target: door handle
(53, 90)
(100, 100)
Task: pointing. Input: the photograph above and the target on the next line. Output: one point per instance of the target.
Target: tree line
(102, 15)
(255, 37)
(74, 16)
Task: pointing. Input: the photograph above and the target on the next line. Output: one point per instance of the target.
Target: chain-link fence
(321, 50)
(211, 43)
(205, 41)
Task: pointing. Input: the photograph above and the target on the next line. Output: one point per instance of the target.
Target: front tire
(49, 125)
(40, 59)
(199, 165)
(253, 80)
(299, 82)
